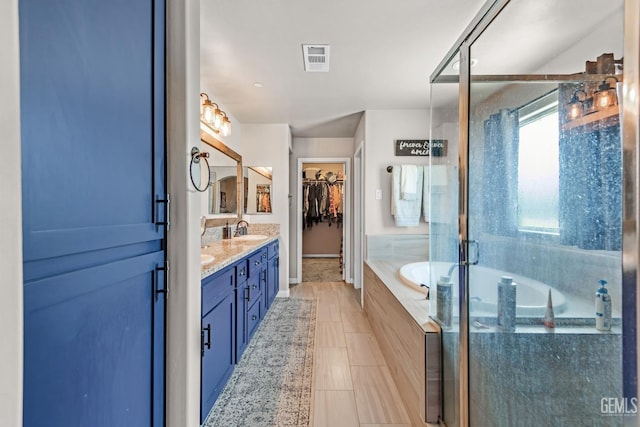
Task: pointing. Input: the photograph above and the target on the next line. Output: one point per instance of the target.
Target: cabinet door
(273, 275)
(218, 341)
(242, 306)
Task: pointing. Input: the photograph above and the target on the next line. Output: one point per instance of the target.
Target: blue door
(94, 208)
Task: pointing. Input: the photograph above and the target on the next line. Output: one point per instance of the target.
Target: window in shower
(538, 166)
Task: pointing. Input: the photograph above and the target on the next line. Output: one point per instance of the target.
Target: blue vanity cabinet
(273, 273)
(242, 307)
(218, 335)
(234, 301)
(257, 288)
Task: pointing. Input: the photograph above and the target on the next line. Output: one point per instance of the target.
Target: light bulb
(207, 112)
(226, 127)
(217, 119)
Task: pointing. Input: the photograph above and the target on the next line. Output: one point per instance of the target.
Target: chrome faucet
(241, 230)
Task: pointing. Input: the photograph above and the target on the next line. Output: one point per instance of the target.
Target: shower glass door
(544, 216)
(443, 229)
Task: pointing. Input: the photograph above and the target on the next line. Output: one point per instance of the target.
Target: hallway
(352, 384)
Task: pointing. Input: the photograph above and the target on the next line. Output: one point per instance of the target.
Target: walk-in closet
(322, 221)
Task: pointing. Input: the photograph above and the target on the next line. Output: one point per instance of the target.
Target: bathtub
(531, 295)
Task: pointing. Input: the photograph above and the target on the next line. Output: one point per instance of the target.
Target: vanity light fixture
(605, 96)
(216, 119)
(225, 127)
(575, 107)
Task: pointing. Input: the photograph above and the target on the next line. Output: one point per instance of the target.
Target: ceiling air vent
(316, 57)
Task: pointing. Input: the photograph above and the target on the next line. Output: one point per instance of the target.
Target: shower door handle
(470, 259)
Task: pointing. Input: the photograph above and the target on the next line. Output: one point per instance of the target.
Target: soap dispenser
(226, 231)
(603, 307)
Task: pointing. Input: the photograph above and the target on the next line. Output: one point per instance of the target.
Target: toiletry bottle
(226, 231)
(444, 300)
(603, 307)
(507, 304)
(549, 318)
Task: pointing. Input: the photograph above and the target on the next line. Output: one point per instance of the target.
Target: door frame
(358, 217)
(346, 226)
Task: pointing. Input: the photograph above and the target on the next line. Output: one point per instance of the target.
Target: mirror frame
(207, 138)
(260, 170)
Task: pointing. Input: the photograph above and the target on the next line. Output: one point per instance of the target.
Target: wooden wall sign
(421, 147)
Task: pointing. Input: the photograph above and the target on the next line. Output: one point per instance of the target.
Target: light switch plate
(378, 194)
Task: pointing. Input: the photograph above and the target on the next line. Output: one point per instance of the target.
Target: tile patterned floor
(352, 384)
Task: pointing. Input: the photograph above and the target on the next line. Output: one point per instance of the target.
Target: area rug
(271, 385)
(321, 270)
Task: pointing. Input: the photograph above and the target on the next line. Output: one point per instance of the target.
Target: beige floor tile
(302, 290)
(335, 409)
(328, 310)
(330, 334)
(332, 370)
(363, 350)
(388, 425)
(377, 396)
(355, 321)
(350, 301)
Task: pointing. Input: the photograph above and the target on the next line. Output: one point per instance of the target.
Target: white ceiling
(382, 54)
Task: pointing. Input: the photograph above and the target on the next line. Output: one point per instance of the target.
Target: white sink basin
(206, 259)
(250, 237)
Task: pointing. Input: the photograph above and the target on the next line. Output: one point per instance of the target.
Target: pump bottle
(603, 307)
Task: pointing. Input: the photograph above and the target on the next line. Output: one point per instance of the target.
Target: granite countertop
(228, 251)
(411, 299)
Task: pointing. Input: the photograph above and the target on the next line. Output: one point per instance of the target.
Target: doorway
(323, 234)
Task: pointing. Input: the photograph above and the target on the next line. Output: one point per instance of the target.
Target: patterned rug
(271, 385)
(321, 270)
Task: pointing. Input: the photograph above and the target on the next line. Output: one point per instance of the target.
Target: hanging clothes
(322, 202)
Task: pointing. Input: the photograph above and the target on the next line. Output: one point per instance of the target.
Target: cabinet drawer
(242, 272)
(216, 286)
(254, 289)
(256, 262)
(272, 249)
(253, 317)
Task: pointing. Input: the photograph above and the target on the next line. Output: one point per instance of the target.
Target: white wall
(268, 145)
(302, 148)
(382, 128)
(183, 316)
(11, 326)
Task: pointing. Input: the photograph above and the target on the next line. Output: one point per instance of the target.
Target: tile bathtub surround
(407, 247)
(568, 269)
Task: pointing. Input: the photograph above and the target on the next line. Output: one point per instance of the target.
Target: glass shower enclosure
(533, 214)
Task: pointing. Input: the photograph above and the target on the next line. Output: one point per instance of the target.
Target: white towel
(434, 192)
(439, 178)
(408, 182)
(406, 213)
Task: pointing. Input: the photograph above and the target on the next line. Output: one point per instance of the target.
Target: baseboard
(321, 256)
(283, 294)
(294, 280)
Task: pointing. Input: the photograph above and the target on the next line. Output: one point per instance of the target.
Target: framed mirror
(258, 190)
(223, 198)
